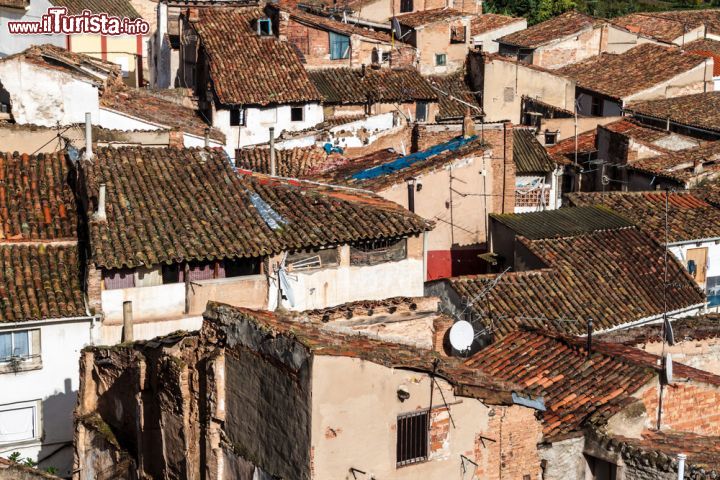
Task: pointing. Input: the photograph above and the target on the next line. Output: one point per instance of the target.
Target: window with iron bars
(412, 437)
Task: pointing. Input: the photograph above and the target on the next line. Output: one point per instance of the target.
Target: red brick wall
(508, 450)
(439, 429)
(441, 325)
(687, 407)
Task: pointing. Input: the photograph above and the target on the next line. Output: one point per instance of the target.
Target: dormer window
(264, 27)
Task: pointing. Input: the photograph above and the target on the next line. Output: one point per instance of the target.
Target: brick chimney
(468, 126)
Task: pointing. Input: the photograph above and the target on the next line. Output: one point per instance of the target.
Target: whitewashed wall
(55, 385)
(46, 97)
(11, 44)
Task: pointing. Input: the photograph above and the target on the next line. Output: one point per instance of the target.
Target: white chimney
(100, 214)
(272, 151)
(207, 137)
(88, 137)
(681, 466)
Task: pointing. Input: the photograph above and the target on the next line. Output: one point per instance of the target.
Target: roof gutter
(50, 321)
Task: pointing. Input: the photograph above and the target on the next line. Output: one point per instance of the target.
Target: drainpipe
(272, 152)
(88, 137)
(411, 194)
(681, 466)
(127, 331)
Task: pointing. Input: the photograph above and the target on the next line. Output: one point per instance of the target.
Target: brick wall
(687, 407)
(508, 450)
(439, 429)
(94, 290)
(441, 325)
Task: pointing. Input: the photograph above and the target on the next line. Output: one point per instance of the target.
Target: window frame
(303, 264)
(404, 6)
(444, 59)
(12, 356)
(36, 406)
(424, 107)
(301, 109)
(265, 32)
(338, 39)
(423, 444)
(238, 117)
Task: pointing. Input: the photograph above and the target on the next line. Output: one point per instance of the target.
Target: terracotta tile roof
(621, 75)
(337, 26)
(689, 218)
(564, 151)
(686, 329)
(293, 162)
(563, 222)
(687, 167)
(36, 202)
(369, 85)
(115, 8)
(247, 69)
(167, 205)
(529, 155)
(655, 138)
(78, 65)
(384, 168)
(456, 85)
(426, 17)
(654, 26)
(467, 381)
(709, 191)
(154, 109)
(488, 22)
(700, 110)
(39, 281)
(612, 277)
(579, 390)
(549, 31)
(708, 48)
(668, 26)
(703, 451)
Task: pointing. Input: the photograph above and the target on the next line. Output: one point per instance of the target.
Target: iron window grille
(412, 437)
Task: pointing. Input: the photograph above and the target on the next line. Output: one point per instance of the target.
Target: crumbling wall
(563, 460)
(142, 400)
(259, 390)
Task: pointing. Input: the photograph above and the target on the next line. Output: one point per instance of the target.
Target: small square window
(237, 117)
(14, 345)
(264, 27)
(19, 422)
(440, 59)
(551, 137)
(406, 6)
(385, 57)
(297, 114)
(412, 438)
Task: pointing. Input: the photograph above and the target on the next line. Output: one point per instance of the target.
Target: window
(551, 137)
(525, 56)
(311, 259)
(412, 438)
(406, 6)
(596, 107)
(385, 56)
(237, 117)
(19, 422)
(14, 345)
(440, 59)
(457, 34)
(241, 266)
(339, 46)
(421, 111)
(124, 278)
(378, 251)
(264, 27)
(297, 114)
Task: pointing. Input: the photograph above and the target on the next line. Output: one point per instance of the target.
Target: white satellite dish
(461, 335)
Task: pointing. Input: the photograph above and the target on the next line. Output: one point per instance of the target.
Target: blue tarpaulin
(407, 160)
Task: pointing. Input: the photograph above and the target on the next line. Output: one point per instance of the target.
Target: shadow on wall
(57, 431)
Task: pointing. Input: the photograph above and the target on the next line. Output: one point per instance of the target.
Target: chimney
(127, 330)
(272, 152)
(207, 137)
(88, 137)
(411, 194)
(100, 213)
(468, 126)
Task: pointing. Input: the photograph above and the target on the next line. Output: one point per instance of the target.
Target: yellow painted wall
(120, 49)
